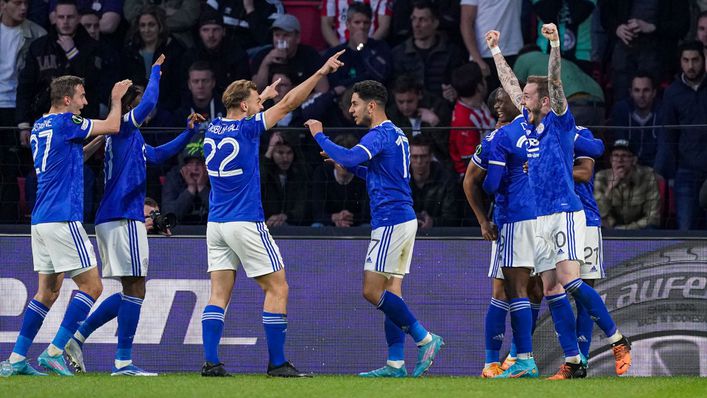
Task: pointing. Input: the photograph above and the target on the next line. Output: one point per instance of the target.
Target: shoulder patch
(248, 117)
(478, 149)
(77, 119)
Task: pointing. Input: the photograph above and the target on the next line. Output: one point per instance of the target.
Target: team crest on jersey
(76, 119)
(540, 128)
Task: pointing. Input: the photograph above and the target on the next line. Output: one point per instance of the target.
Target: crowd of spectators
(636, 65)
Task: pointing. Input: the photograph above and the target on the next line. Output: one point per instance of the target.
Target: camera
(163, 222)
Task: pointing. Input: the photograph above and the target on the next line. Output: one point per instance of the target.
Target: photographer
(155, 221)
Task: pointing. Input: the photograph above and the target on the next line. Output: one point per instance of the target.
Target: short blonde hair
(237, 92)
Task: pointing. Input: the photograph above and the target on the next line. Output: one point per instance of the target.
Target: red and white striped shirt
(462, 142)
(337, 9)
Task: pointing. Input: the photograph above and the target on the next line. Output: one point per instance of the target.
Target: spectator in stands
(285, 187)
(365, 58)
(248, 21)
(16, 35)
(640, 109)
(470, 111)
(683, 152)
(66, 50)
(584, 95)
(702, 30)
(448, 11)
(644, 33)
(412, 111)
(186, 190)
(38, 12)
(180, 16)
(335, 24)
(302, 60)
(109, 13)
(226, 58)
(480, 16)
(434, 191)
(574, 20)
(110, 73)
(627, 194)
(149, 37)
(428, 55)
(338, 198)
(202, 99)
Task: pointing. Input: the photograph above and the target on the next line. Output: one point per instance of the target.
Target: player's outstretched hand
(315, 126)
(332, 64)
(492, 37)
(159, 61)
(549, 31)
(119, 89)
(270, 91)
(194, 119)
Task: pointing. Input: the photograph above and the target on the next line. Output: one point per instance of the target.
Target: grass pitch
(193, 385)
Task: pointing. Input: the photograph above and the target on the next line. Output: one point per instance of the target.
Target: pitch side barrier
(656, 290)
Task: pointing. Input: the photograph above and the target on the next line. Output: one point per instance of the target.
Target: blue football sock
(590, 299)
(585, 326)
(128, 317)
(535, 309)
(31, 322)
(275, 330)
(104, 313)
(563, 318)
(521, 322)
(76, 312)
(395, 308)
(513, 351)
(395, 337)
(495, 327)
(212, 329)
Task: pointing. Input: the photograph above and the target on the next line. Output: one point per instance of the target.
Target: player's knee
(93, 288)
(47, 296)
(372, 294)
(553, 290)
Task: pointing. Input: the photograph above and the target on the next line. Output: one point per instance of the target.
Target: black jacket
(173, 76)
(47, 60)
(290, 199)
(437, 197)
(329, 197)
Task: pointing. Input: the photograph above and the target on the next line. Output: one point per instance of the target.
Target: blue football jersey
(57, 149)
(481, 156)
(231, 150)
(388, 178)
(585, 190)
(515, 199)
(124, 174)
(550, 162)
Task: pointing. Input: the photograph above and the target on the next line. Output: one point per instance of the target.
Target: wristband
(495, 50)
(72, 53)
(554, 43)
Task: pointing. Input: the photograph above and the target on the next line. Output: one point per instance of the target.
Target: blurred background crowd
(633, 72)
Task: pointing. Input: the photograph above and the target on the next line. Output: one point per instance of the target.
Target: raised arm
(111, 125)
(158, 155)
(558, 102)
(152, 92)
(299, 94)
(508, 79)
(349, 158)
